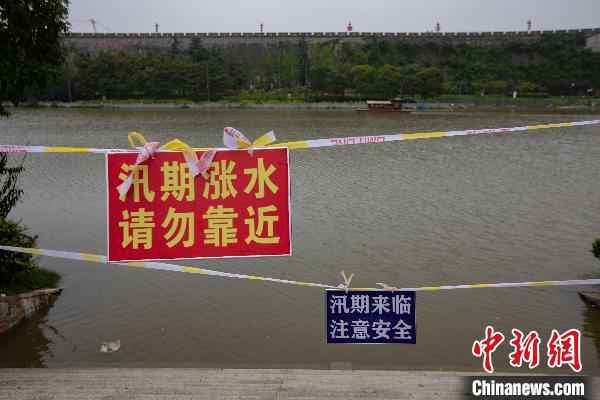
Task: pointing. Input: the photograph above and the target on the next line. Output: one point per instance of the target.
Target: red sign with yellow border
(239, 207)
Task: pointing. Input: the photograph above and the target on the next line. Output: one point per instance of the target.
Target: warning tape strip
(344, 141)
(160, 266)
(203, 271)
(315, 143)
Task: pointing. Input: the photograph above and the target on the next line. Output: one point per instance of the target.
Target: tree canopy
(29, 44)
(331, 70)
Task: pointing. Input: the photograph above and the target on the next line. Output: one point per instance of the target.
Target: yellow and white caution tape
(344, 141)
(156, 266)
(203, 271)
(315, 143)
(15, 148)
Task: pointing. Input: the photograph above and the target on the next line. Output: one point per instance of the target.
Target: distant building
(349, 27)
(593, 43)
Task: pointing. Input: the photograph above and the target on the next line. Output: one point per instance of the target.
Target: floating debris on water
(110, 347)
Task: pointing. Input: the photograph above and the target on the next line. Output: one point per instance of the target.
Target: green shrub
(19, 272)
(10, 194)
(596, 248)
(260, 96)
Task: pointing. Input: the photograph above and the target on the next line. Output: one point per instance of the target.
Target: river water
(493, 208)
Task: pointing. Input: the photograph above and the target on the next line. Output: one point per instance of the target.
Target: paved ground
(108, 384)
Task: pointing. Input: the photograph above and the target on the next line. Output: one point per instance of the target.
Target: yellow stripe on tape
(480, 286)
(423, 135)
(136, 264)
(313, 143)
(535, 127)
(543, 283)
(193, 270)
(561, 125)
(301, 144)
(92, 258)
(61, 149)
(35, 252)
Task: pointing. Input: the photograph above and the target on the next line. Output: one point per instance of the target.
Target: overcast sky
(331, 15)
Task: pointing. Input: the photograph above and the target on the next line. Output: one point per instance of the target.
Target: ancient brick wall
(140, 41)
(593, 43)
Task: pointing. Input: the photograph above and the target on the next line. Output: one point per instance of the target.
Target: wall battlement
(74, 35)
(94, 42)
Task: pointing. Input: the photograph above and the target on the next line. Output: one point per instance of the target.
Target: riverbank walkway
(187, 383)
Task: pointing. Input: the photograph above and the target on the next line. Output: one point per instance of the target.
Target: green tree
(217, 76)
(237, 76)
(342, 79)
(498, 87)
(364, 79)
(197, 52)
(430, 81)
(409, 84)
(29, 44)
(321, 78)
(389, 78)
(556, 64)
(10, 193)
(18, 271)
(15, 268)
(289, 63)
(303, 63)
(528, 88)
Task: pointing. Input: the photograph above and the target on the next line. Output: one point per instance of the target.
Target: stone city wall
(95, 42)
(593, 43)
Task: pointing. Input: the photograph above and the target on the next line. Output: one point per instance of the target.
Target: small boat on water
(590, 298)
(394, 105)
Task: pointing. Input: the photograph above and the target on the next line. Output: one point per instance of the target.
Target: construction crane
(101, 25)
(94, 23)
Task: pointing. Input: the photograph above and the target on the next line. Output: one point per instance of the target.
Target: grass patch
(519, 101)
(31, 279)
(19, 272)
(138, 101)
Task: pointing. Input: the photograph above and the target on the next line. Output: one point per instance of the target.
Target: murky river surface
(495, 208)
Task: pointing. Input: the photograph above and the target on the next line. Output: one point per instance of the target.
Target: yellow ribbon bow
(149, 149)
(197, 166)
(234, 139)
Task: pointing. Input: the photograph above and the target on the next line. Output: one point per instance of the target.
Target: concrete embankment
(425, 107)
(13, 309)
(206, 105)
(49, 384)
